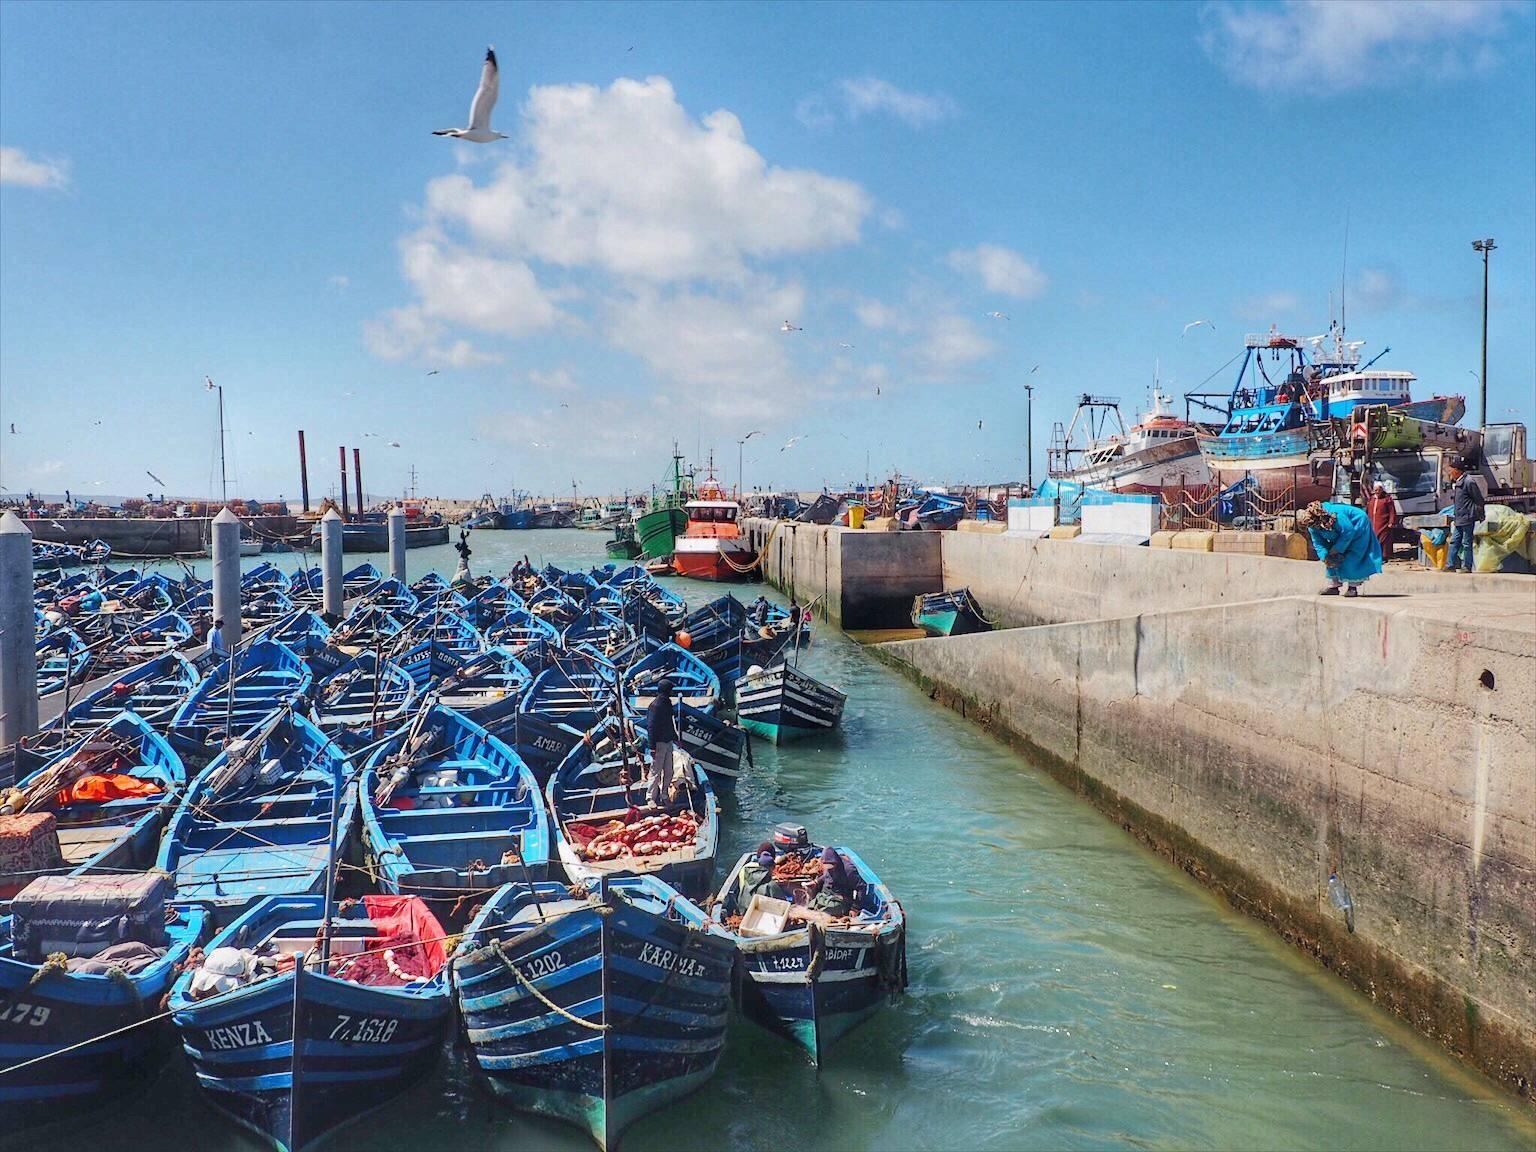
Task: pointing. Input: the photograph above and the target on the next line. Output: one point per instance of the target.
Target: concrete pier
(18, 633)
(397, 544)
(1261, 736)
(226, 575)
(333, 590)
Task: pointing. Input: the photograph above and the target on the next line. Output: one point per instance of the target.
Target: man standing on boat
(1382, 510)
(216, 642)
(1344, 541)
(662, 729)
(1467, 505)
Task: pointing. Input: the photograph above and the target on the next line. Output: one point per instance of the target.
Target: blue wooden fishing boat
(372, 1002)
(363, 699)
(443, 629)
(641, 982)
(263, 577)
(782, 702)
(553, 605)
(63, 658)
(51, 1009)
(154, 690)
(394, 597)
(148, 596)
(598, 628)
(266, 606)
(693, 682)
(131, 640)
(304, 631)
(809, 976)
(267, 676)
(600, 828)
(360, 580)
(722, 635)
(443, 600)
(491, 604)
(430, 583)
(953, 613)
(114, 581)
(257, 821)
(717, 745)
(764, 613)
(564, 701)
(519, 628)
(629, 574)
(485, 688)
(939, 512)
(111, 790)
(449, 810)
(365, 630)
(306, 587)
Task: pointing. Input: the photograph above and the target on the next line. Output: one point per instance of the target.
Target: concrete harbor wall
(143, 536)
(1261, 745)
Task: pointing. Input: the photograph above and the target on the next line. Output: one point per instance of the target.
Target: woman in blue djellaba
(1345, 542)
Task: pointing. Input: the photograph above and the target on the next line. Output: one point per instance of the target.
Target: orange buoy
(683, 640)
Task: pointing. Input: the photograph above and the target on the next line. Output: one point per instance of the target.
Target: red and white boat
(712, 548)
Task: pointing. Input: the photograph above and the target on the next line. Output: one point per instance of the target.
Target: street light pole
(1029, 437)
(1485, 247)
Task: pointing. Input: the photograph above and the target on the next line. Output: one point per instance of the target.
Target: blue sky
(252, 192)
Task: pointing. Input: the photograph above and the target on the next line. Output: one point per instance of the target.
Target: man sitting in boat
(833, 893)
(757, 878)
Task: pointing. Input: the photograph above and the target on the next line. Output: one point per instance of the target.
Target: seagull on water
(1196, 324)
(793, 440)
(996, 316)
(788, 327)
(479, 130)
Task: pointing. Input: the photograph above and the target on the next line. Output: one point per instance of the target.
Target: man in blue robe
(1345, 542)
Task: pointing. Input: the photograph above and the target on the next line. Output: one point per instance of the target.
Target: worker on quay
(1382, 510)
(1345, 542)
(662, 729)
(757, 878)
(833, 892)
(1467, 504)
(217, 644)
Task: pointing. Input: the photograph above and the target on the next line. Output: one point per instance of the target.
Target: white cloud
(561, 379)
(339, 283)
(950, 342)
(877, 315)
(869, 95)
(1323, 46)
(1001, 270)
(405, 333)
(726, 350)
(19, 169)
(476, 291)
(624, 181)
(854, 98)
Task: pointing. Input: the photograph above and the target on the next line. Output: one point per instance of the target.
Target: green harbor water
(1068, 989)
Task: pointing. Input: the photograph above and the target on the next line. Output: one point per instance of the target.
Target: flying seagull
(788, 327)
(978, 425)
(394, 443)
(996, 316)
(1196, 324)
(155, 478)
(793, 440)
(845, 345)
(434, 372)
(479, 130)
(1035, 369)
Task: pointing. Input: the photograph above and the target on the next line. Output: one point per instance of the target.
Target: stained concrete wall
(860, 579)
(1262, 744)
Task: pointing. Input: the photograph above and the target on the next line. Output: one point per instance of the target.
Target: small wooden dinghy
(810, 976)
(639, 982)
(783, 702)
(953, 613)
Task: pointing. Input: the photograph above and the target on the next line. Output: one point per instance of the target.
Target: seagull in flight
(155, 478)
(788, 327)
(394, 443)
(1035, 369)
(996, 316)
(845, 345)
(479, 130)
(1196, 324)
(434, 372)
(793, 440)
(978, 425)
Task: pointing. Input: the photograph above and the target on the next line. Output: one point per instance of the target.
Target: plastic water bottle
(1339, 897)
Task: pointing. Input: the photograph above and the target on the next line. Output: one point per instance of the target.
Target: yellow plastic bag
(1502, 532)
(1435, 553)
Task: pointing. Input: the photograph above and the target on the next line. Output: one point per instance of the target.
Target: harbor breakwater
(1263, 738)
(132, 537)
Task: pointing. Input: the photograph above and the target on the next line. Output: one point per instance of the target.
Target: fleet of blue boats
(313, 853)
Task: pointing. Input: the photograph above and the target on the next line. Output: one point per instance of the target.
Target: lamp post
(1485, 247)
(1029, 438)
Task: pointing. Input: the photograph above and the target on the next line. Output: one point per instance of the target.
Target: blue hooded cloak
(1350, 550)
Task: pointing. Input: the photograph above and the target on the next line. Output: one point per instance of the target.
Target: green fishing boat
(665, 520)
(623, 546)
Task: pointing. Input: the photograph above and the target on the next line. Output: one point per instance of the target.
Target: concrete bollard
(226, 575)
(18, 633)
(334, 598)
(397, 543)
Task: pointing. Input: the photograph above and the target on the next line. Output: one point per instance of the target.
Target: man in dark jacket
(1466, 512)
(661, 727)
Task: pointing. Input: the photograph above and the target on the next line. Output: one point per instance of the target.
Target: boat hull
(241, 1050)
(660, 987)
(783, 703)
(657, 530)
(720, 559)
(1175, 462)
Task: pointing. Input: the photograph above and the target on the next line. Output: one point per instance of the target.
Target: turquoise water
(1069, 989)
